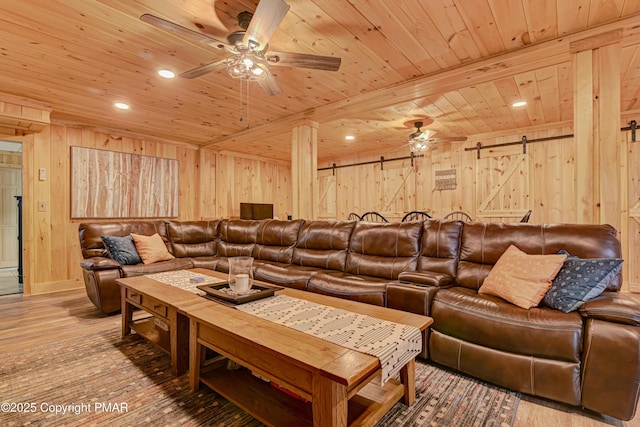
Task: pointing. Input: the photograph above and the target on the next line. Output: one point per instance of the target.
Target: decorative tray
(220, 291)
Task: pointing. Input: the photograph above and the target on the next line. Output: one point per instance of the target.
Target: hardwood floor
(27, 322)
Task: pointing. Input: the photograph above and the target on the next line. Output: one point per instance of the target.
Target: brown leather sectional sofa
(588, 358)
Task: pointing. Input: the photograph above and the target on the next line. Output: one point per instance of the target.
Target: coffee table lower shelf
(274, 407)
(147, 329)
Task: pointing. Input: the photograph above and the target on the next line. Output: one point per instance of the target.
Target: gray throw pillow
(122, 249)
(579, 280)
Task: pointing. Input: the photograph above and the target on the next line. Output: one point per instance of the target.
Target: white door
(10, 186)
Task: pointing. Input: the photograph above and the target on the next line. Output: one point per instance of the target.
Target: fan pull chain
(241, 104)
(248, 120)
(244, 106)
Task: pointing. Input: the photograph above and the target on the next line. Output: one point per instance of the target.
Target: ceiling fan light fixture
(416, 146)
(248, 62)
(247, 66)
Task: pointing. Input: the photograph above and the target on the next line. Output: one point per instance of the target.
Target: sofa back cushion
(91, 244)
(384, 249)
(276, 239)
(323, 244)
(237, 237)
(193, 238)
(440, 247)
(484, 243)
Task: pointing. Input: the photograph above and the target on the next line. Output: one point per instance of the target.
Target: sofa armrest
(99, 263)
(613, 307)
(413, 299)
(426, 278)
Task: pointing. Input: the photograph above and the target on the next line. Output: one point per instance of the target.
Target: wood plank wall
(236, 178)
(490, 188)
(212, 185)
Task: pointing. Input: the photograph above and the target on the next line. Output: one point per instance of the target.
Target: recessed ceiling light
(121, 105)
(519, 104)
(167, 74)
(349, 137)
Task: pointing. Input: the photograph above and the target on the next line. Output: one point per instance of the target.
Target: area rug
(106, 380)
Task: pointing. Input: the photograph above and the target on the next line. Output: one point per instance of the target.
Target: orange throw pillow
(151, 248)
(520, 278)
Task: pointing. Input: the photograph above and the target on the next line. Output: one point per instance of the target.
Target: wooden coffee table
(167, 304)
(335, 381)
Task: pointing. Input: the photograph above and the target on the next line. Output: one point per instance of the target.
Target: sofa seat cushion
(157, 267)
(492, 322)
(367, 289)
(208, 262)
(284, 275)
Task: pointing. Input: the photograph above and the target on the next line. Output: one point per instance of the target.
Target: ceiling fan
(250, 56)
(423, 140)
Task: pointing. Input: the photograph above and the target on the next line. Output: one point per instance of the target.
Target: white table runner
(393, 343)
(182, 279)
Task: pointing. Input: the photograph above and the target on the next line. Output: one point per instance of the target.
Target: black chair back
(416, 216)
(373, 217)
(526, 217)
(460, 215)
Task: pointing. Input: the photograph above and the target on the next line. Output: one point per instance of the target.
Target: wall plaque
(446, 179)
(110, 184)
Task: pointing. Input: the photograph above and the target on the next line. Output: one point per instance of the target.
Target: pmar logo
(111, 407)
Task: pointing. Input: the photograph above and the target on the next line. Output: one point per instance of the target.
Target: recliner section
(377, 254)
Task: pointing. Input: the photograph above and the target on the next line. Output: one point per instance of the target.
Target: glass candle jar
(240, 274)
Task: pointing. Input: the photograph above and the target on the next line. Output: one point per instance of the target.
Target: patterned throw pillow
(580, 280)
(520, 278)
(122, 249)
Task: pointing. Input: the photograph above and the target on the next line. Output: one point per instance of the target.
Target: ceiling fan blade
(182, 31)
(202, 70)
(304, 60)
(268, 16)
(270, 85)
(448, 139)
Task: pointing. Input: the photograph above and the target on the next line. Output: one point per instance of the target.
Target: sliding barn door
(327, 203)
(502, 187)
(398, 189)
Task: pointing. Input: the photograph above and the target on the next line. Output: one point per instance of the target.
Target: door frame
(27, 142)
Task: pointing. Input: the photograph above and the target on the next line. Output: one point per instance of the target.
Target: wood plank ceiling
(459, 62)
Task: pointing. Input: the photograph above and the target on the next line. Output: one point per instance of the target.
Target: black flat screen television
(256, 210)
